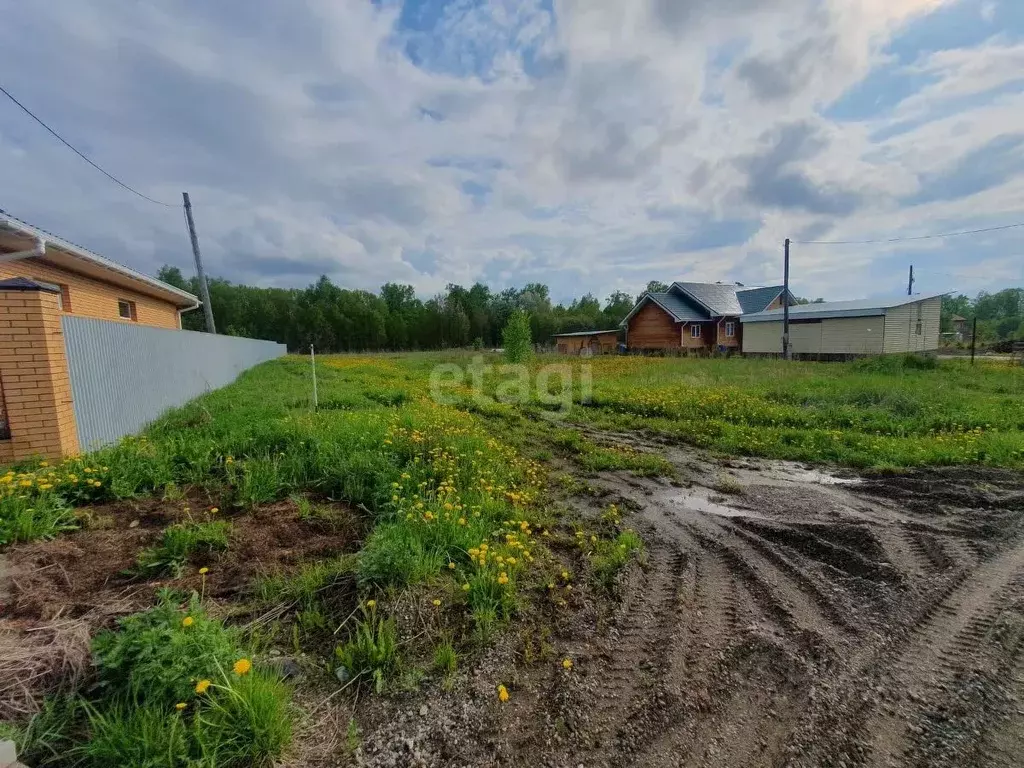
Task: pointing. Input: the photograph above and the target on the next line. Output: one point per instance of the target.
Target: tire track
(954, 625)
(635, 652)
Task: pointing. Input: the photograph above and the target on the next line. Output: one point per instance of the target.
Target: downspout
(193, 308)
(37, 251)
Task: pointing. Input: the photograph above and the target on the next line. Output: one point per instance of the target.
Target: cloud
(591, 144)
(775, 180)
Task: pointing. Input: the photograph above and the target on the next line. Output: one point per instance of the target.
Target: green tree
(517, 339)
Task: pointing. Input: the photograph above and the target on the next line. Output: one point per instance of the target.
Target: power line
(61, 139)
(906, 239)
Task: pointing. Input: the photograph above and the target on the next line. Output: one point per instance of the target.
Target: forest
(1000, 315)
(336, 319)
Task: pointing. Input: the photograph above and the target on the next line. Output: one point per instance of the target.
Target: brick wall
(93, 298)
(34, 377)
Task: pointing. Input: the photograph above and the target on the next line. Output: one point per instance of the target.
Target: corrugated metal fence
(124, 376)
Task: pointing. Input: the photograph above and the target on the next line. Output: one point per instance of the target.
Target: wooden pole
(786, 352)
(974, 338)
(204, 289)
(910, 283)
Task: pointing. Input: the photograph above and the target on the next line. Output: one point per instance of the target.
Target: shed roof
(17, 235)
(857, 308)
(585, 333)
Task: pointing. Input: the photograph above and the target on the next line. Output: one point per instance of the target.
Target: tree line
(1000, 315)
(336, 319)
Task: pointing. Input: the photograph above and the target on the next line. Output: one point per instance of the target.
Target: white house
(848, 328)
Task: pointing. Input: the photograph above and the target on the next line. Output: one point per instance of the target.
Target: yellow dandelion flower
(502, 693)
(437, 603)
(451, 565)
(180, 705)
(243, 667)
(565, 574)
(203, 571)
(503, 578)
(465, 587)
(214, 510)
(566, 663)
(371, 603)
(188, 621)
(202, 686)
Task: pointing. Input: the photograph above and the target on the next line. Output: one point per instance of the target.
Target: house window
(694, 331)
(63, 295)
(126, 309)
(918, 329)
(730, 330)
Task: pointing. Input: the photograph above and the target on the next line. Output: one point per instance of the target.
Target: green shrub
(371, 653)
(154, 657)
(517, 338)
(181, 542)
(171, 691)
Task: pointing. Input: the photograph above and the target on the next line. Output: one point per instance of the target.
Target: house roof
(17, 235)
(758, 299)
(858, 308)
(585, 333)
(676, 307)
(718, 299)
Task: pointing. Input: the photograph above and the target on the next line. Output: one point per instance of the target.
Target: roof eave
(66, 247)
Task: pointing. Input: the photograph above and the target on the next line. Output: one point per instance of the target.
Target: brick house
(699, 317)
(42, 279)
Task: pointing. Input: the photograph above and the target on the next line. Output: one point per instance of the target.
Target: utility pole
(204, 289)
(910, 283)
(974, 338)
(786, 353)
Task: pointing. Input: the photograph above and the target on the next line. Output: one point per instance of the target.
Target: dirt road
(785, 618)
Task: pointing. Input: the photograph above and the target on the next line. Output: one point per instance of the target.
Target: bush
(176, 689)
(517, 338)
(157, 655)
(371, 653)
(181, 542)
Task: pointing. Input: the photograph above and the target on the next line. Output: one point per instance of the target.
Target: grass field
(454, 509)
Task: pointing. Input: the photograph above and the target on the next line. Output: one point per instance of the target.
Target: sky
(593, 145)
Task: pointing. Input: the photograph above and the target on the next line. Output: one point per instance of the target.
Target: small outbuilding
(587, 343)
(844, 329)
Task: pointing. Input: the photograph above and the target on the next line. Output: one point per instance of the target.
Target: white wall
(901, 327)
(841, 335)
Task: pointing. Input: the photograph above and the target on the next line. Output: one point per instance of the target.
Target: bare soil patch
(57, 593)
(801, 619)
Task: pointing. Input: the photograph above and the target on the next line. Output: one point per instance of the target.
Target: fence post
(312, 363)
